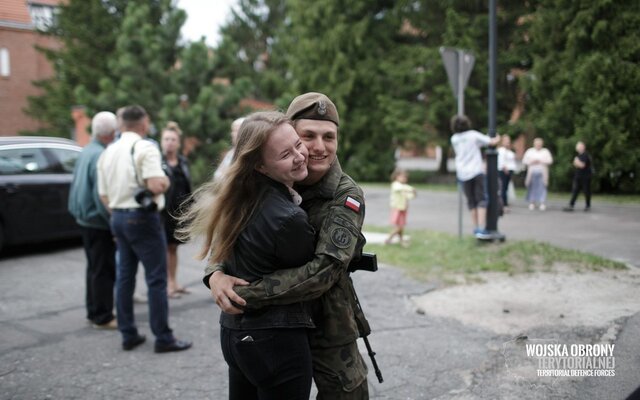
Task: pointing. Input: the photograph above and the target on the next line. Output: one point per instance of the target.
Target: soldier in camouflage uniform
(335, 206)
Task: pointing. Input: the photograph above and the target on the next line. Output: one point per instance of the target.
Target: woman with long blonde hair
(251, 221)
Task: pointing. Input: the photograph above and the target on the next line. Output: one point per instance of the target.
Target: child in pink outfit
(401, 193)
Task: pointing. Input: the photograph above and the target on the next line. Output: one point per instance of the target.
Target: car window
(66, 159)
(23, 161)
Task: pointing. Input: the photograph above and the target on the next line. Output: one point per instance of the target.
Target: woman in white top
(537, 159)
(506, 167)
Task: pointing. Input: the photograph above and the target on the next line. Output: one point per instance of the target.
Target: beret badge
(322, 107)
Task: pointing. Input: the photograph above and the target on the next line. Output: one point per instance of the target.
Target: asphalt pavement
(608, 230)
(48, 351)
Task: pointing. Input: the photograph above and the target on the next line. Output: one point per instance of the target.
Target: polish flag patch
(352, 204)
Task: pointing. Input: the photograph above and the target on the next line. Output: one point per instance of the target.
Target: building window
(42, 16)
(5, 66)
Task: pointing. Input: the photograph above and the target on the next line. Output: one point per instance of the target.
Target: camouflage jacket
(335, 207)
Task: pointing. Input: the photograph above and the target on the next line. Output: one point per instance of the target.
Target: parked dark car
(35, 176)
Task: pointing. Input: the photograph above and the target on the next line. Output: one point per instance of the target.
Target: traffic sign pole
(458, 64)
(461, 84)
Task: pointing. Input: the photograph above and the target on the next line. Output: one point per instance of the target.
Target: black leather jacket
(169, 196)
(278, 236)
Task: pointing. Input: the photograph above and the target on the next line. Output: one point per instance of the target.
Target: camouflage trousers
(340, 373)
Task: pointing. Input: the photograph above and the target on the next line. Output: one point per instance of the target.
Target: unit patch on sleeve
(352, 204)
(341, 237)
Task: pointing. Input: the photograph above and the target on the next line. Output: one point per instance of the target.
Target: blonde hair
(221, 209)
(172, 126)
(237, 123)
(396, 173)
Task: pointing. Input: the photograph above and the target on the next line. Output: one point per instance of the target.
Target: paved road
(611, 231)
(47, 351)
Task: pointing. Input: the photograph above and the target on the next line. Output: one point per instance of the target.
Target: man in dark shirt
(581, 178)
(93, 218)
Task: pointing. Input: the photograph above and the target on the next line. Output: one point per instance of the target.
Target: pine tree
(203, 109)
(144, 58)
(350, 53)
(250, 47)
(464, 25)
(585, 85)
(379, 61)
(87, 32)
(106, 46)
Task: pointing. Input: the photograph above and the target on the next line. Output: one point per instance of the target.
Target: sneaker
(532, 206)
(587, 209)
(483, 234)
(542, 207)
(568, 208)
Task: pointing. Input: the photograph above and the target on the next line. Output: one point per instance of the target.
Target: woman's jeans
(267, 364)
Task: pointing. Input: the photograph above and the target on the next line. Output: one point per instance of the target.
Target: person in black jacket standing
(177, 169)
(581, 178)
(252, 222)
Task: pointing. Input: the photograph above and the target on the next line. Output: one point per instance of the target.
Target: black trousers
(505, 178)
(100, 250)
(267, 364)
(581, 183)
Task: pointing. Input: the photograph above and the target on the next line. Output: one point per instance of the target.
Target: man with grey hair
(93, 218)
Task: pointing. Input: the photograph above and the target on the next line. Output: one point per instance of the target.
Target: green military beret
(313, 105)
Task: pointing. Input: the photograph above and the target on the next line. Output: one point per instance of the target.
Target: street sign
(458, 64)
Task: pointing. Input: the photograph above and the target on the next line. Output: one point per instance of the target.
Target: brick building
(20, 63)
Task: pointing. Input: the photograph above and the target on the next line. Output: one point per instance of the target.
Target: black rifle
(367, 262)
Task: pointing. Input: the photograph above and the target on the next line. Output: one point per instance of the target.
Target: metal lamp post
(492, 154)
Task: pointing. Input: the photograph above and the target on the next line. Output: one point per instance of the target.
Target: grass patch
(442, 257)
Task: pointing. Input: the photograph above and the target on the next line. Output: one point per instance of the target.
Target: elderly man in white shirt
(131, 183)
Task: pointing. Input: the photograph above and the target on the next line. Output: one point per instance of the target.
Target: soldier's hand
(222, 292)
